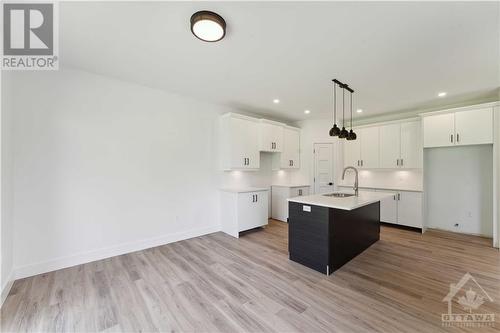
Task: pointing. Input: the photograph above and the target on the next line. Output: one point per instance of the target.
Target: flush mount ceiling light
(307, 111)
(442, 94)
(208, 26)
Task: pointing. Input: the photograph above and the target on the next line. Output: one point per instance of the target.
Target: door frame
(314, 163)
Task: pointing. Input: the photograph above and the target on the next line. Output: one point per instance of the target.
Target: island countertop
(346, 203)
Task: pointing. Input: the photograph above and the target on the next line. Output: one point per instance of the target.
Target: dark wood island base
(324, 238)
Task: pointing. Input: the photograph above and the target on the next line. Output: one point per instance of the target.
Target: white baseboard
(86, 257)
(6, 288)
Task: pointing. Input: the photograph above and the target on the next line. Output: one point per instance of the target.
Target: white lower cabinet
(403, 208)
(243, 209)
(279, 196)
(389, 208)
(410, 209)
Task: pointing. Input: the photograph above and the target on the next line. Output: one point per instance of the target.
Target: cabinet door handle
(358, 162)
(394, 197)
(401, 162)
(256, 197)
(399, 196)
(451, 138)
(458, 137)
(292, 162)
(361, 162)
(397, 162)
(300, 192)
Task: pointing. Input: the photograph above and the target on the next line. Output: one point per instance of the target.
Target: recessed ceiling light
(208, 26)
(442, 94)
(307, 111)
(359, 110)
(276, 101)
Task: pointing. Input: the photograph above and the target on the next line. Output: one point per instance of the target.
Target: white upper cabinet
(290, 155)
(369, 138)
(270, 136)
(390, 146)
(352, 153)
(400, 145)
(439, 130)
(474, 127)
(239, 142)
(411, 145)
(471, 127)
(395, 145)
(364, 151)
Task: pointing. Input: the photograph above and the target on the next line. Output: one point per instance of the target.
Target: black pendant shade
(335, 130)
(351, 135)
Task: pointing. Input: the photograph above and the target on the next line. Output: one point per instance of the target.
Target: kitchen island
(327, 231)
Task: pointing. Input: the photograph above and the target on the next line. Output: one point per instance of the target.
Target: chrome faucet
(355, 180)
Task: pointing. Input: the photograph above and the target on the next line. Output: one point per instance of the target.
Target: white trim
(460, 109)
(86, 257)
(382, 123)
(272, 122)
(6, 288)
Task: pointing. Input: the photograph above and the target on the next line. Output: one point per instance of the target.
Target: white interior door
(323, 167)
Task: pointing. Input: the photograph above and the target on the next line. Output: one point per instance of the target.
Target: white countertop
(244, 189)
(291, 185)
(348, 203)
(390, 188)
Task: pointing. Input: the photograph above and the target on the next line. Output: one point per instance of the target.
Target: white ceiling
(396, 55)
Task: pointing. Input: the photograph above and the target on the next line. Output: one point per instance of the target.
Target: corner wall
(6, 193)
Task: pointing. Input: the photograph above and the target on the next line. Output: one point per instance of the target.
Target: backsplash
(264, 177)
(411, 179)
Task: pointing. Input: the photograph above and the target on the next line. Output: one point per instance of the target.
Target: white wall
(459, 188)
(6, 184)
(104, 167)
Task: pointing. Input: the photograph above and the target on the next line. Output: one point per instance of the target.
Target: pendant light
(343, 133)
(351, 135)
(335, 130)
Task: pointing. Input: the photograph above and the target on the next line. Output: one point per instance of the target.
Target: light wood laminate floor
(216, 283)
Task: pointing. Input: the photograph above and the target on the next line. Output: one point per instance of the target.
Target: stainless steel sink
(339, 195)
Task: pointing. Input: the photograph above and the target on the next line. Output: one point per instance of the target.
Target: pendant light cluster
(335, 130)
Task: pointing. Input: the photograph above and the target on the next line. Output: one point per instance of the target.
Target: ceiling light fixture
(343, 132)
(351, 136)
(276, 101)
(359, 111)
(442, 94)
(335, 130)
(307, 111)
(208, 26)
